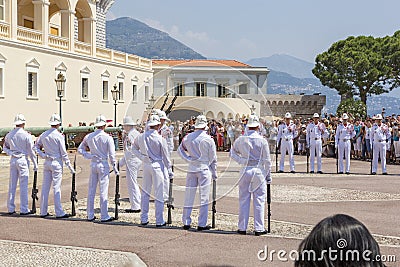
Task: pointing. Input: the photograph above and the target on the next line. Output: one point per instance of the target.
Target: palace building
(39, 39)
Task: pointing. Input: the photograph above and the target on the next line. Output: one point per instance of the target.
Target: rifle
(169, 109)
(35, 191)
(214, 203)
(337, 159)
(372, 154)
(269, 206)
(73, 191)
(117, 195)
(170, 203)
(308, 160)
(276, 157)
(165, 102)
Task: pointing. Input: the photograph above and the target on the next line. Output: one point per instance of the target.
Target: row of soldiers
(152, 150)
(316, 131)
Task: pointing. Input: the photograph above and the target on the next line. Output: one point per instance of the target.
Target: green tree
(390, 49)
(354, 67)
(354, 107)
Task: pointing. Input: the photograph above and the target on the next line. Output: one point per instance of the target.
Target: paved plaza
(299, 201)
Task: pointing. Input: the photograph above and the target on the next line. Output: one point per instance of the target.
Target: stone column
(41, 19)
(89, 25)
(68, 27)
(13, 15)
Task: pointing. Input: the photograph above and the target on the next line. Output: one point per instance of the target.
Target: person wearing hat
(199, 151)
(132, 164)
(316, 130)
(99, 147)
(50, 146)
(167, 134)
(19, 145)
(344, 134)
(252, 151)
(379, 135)
(152, 150)
(286, 133)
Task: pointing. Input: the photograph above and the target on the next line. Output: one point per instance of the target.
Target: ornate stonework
(102, 7)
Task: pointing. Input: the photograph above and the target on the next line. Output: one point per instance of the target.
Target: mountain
(284, 63)
(132, 36)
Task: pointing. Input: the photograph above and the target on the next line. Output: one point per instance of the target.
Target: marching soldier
(19, 145)
(53, 143)
(132, 165)
(99, 148)
(316, 130)
(286, 133)
(344, 133)
(252, 151)
(199, 151)
(379, 135)
(152, 150)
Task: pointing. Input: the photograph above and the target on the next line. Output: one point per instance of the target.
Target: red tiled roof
(201, 63)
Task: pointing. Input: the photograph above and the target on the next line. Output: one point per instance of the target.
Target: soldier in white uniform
(99, 148)
(344, 133)
(199, 151)
(19, 145)
(167, 134)
(379, 135)
(132, 164)
(152, 150)
(252, 151)
(316, 130)
(286, 133)
(53, 144)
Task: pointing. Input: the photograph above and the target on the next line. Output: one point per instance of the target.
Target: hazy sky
(258, 28)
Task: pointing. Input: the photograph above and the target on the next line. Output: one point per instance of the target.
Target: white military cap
(153, 120)
(55, 119)
(19, 119)
(100, 121)
(162, 115)
(201, 122)
(345, 116)
(288, 115)
(253, 121)
(316, 115)
(128, 121)
(378, 117)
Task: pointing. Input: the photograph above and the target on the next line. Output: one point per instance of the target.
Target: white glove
(116, 169)
(214, 176)
(170, 174)
(71, 169)
(269, 179)
(35, 167)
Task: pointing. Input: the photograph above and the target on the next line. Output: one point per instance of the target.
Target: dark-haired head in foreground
(339, 241)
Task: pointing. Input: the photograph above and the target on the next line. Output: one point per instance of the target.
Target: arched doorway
(183, 114)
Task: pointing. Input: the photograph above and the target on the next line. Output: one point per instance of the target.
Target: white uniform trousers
(397, 148)
(52, 174)
(344, 149)
(379, 152)
(99, 174)
(153, 174)
(19, 170)
(286, 146)
(316, 151)
(201, 179)
(132, 168)
(259, 196)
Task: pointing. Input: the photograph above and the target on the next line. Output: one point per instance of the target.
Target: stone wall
(102, 8)
(297, 105)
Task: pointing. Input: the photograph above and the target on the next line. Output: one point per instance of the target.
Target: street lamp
(115, 96)
(152, 101)
(252, 109)
(60, 83)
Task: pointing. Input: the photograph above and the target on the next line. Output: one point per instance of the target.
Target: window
(243, 89)
(2, 8)
(134, 92)
(105, 90)
(54, 31)
(1, 82)
(85, 88)
(28, 23)
(121, 91)
(179, 89)
(32, 84)
(146, 93)
(201, 89)
(222, 91)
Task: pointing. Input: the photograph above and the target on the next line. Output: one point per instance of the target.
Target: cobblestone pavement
(299, 201)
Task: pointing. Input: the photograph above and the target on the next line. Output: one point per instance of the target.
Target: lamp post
(60, 83)
(252, 109)
(115, 96)
(152, 101)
